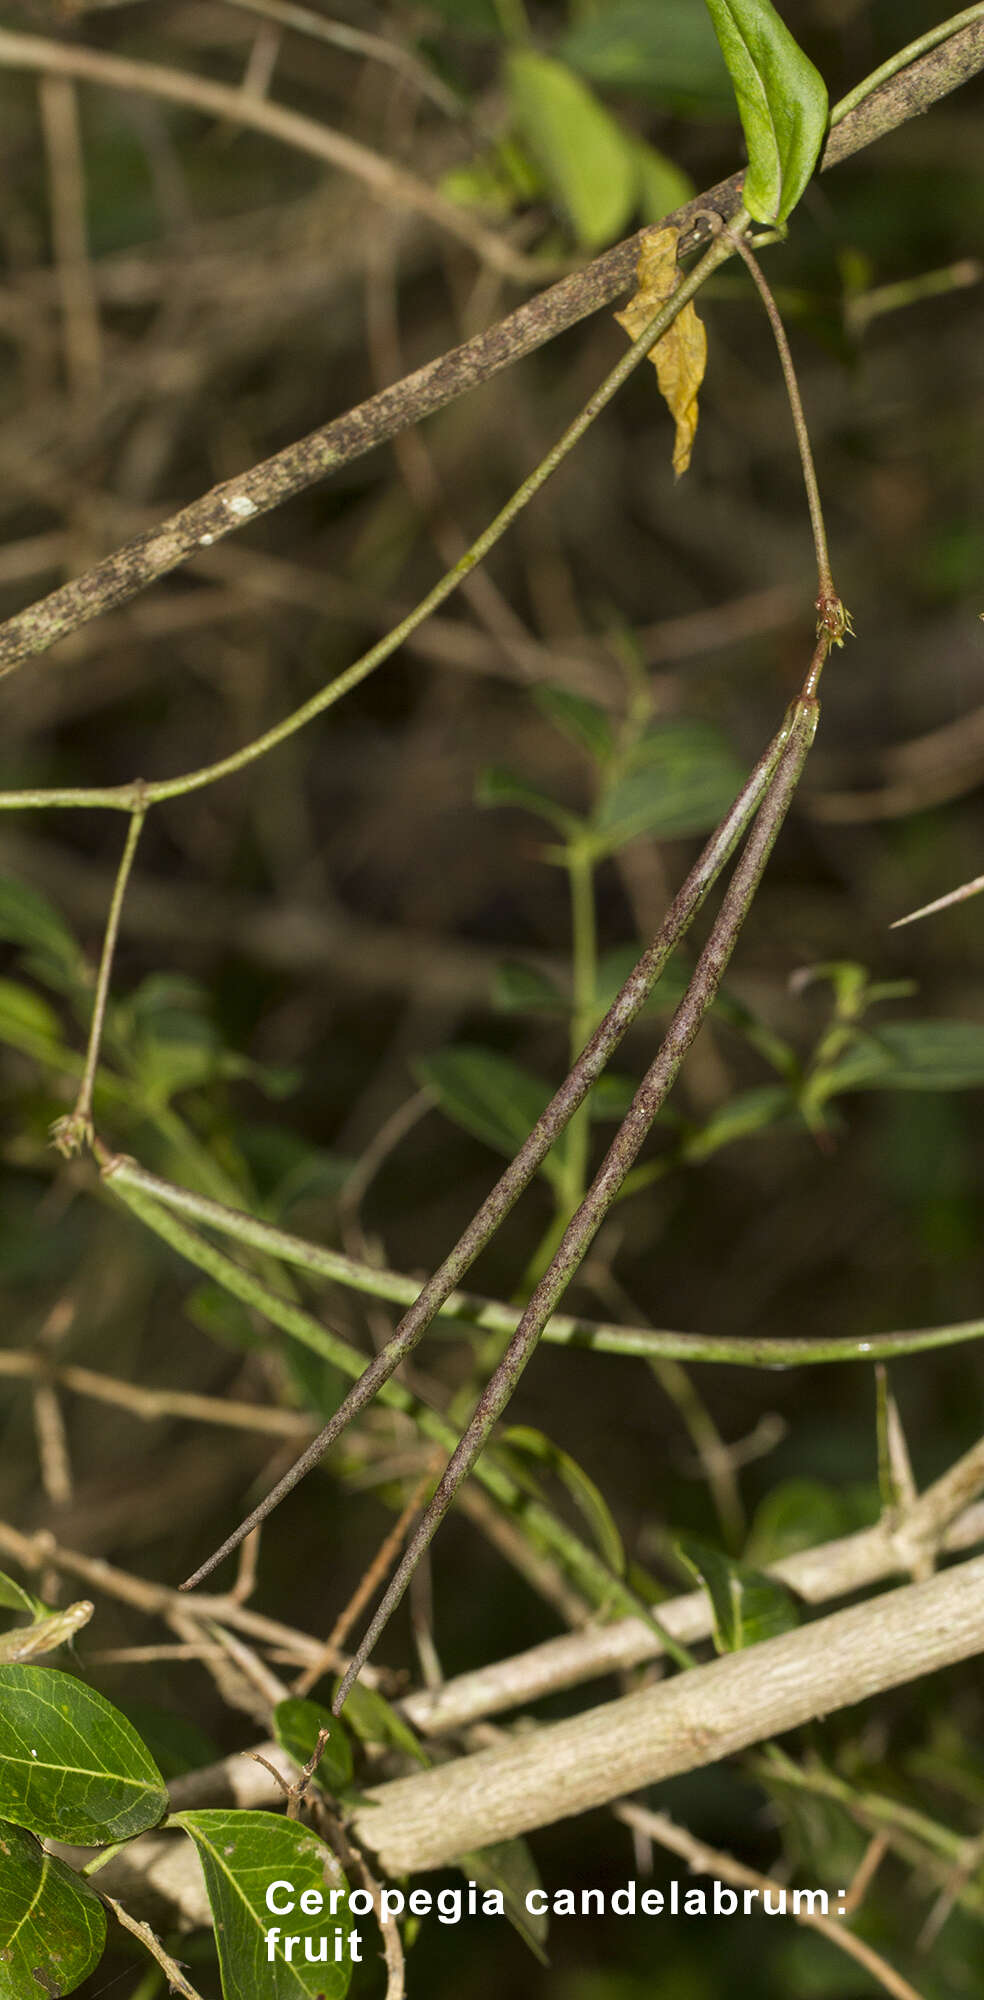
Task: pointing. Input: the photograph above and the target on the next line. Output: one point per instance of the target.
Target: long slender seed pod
(584, 1225)
(535, 1148)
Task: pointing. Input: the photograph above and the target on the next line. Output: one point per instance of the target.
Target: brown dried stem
(158, 551)
(584, 1225)
(517, 1176)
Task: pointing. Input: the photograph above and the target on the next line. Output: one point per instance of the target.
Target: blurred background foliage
(340, 969)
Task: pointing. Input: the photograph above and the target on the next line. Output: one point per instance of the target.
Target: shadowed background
(181, 297)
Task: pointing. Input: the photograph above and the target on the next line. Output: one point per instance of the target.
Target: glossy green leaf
(52, 1926)
(71, 1765)
(586, 158)
(241, 1854)
(369, 1715)
(666, 52)
(680, 778)
(509, 1866)
(746, 1605)
(493, 1098)
(910, 1055)
(782, 103)
(582, 721)
(582, 1489)
(297, 1726)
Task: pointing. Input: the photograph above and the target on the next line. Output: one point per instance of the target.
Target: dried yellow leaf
(680, 356)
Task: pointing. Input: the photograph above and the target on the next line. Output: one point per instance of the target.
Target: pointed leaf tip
(782, 103)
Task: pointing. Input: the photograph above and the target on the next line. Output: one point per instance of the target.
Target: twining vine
(783, 107)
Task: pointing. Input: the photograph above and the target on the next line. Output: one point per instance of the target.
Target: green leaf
(747, 1112)
(166, 1030)
(28, 920)
(586, 158)
(490, 1096)
(663, 186)
(297, 1726)
(223, 1318)
(910, 1055)
(582, 1489)
(52, 1926)
(680, 778)
(369, 1714)
(523, 989)
(28, 1023)
(614, 968)
(802, 1513)
(612, 1095)
(666, 52)
(746, 1605)
(499, 181)
(582, 721)
(14, 1597)
(499, 787)
(241, 1854)
(319, 1386)
(480, 183)
(782, 103)
(287, 1170)
(71, 1766)
(509, 1866)
(469, 17)
(175, 1742)
(818, 1833)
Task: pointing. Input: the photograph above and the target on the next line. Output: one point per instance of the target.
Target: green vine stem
(579, 864)
(140, 796)
(73, 1132)
(583, 1227)
(584, 942)
(833, 618)
(825, 581)
(474, 1314)
(903, 58)
(544, 1529)
(872, 110)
